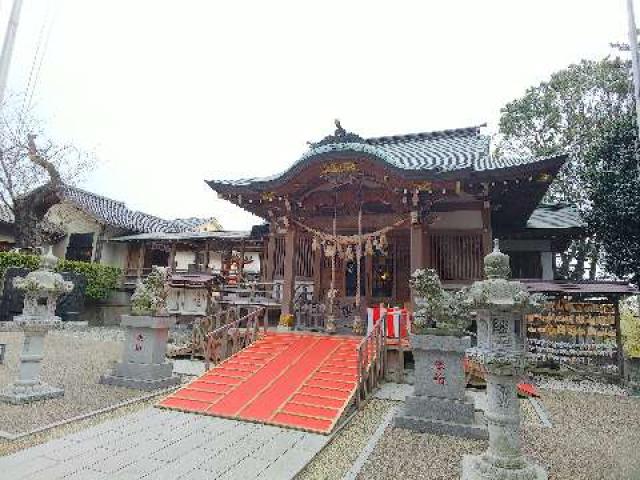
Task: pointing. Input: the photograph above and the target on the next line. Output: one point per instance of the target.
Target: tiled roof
(440, 151)
(117, 214)
(193, 224)
(555, 216)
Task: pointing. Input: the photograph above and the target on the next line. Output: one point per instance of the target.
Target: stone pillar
(143, 364)
(439, 404)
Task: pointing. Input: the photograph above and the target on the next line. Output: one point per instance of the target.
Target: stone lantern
(41, 291)
(500, 307)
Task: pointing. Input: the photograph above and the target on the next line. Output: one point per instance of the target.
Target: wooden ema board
(300, 381)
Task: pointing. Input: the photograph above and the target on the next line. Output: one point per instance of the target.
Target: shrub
(101, 279)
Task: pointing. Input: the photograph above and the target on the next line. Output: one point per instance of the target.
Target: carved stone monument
(144, 365)
(41, 291)
(500, 308)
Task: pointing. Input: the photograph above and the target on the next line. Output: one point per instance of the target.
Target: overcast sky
(169, 93)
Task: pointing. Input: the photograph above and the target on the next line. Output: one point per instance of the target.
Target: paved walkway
(161, 444)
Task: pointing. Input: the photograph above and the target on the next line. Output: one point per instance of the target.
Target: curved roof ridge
(411, 137)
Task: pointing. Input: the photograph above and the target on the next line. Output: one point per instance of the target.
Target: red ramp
(300, 381)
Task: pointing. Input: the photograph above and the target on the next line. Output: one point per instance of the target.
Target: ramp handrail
(232, 337)
(371, 361)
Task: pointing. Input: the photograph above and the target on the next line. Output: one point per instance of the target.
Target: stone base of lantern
(144, 366)
(479, 467)
(28, 387)
(20, 394)
(440, 416)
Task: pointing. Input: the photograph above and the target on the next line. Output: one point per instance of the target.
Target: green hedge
(101, 279)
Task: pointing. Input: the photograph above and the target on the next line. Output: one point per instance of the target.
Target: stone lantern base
(478, 467)
(144, 366)
(28, 387)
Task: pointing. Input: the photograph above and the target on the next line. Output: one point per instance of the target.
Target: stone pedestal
(28, 387)
(439, 403)
(144, 365)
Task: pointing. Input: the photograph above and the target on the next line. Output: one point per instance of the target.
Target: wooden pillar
(487, 236)
(207, 255)
(97, 256)
(271, 254)
(619, 346)
(426, 236)
(417, 246)
(141, 252)
(317, 274)
(288, 288)
(368, 280)
(172, 257)
(242, 251)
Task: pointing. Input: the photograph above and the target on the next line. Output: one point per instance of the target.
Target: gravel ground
(337, 457)
(74, 359)
(585, 386)
(593, 437)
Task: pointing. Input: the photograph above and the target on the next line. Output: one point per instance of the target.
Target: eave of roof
(446, 154)
(184, 236)
(586, 287)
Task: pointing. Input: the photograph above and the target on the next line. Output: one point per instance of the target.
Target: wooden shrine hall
(353, 217)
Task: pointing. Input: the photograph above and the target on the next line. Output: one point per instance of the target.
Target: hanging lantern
(339, 250)
(314, 244)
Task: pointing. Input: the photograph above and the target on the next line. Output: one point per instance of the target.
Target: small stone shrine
(41, 291)
(501, 306)
(144, 365)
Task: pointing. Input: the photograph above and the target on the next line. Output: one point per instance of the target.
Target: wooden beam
(289, 273)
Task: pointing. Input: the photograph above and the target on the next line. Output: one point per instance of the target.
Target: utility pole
(633, 46)
(7, 46)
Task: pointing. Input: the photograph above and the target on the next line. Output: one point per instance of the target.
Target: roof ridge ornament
(339, 136)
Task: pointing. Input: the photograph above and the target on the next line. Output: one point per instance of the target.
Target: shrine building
(357, 215)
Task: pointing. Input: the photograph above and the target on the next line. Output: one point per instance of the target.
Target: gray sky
(169, 93)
